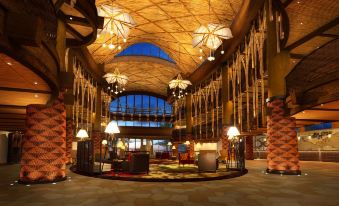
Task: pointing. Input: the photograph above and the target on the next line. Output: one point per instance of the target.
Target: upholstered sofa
(207, 161)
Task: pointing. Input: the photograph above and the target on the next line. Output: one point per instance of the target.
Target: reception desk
(324, 156)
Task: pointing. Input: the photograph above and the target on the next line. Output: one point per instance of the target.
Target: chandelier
(211, 36)
(179, 86)
(116, 23)
(116, 81)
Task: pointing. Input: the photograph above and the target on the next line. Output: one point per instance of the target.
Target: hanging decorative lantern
(116, 81)
(116, 21)
(211, 35)
(179, 86)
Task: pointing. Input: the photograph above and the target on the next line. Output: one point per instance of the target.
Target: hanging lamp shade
(211, 35)
(116, 21)
(112, 128)
(82, 133)
(104, 142)
(179, 82)
(233, 132)
(173, 147)
(169, 143)
(187, 142)
(116, 77)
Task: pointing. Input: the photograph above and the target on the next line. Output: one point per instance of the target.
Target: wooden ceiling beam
(288, 2)
(12, 106)
(76, 20)
(324, 109)
(11, 89)
(316, 32)
(74, 33)
(329, 35)
(316, 120)
(297, 56)
(58, 4)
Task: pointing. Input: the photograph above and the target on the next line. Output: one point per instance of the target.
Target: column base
(60, 179)
(284, 172)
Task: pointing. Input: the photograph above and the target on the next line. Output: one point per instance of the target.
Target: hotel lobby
(169, 102)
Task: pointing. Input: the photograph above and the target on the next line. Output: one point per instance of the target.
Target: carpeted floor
(171, 170)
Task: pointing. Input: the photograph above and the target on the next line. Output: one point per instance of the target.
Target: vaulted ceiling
(168, 24)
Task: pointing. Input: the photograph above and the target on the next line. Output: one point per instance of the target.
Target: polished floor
(318, 185)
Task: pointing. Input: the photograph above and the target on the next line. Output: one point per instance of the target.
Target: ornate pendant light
(116, 81)
(116, 23)
(211, 36)
(179, 86)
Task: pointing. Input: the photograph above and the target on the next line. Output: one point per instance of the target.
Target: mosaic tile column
(69, 140)
(44, 143)
(249, 148)
(283, 155)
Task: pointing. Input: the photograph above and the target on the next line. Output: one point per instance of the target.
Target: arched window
(140, 104)
(145, 49)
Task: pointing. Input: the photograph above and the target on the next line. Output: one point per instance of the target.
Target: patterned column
(249, 148)
(44, 146)
(283, 155)
(96, 137)
(69, 140)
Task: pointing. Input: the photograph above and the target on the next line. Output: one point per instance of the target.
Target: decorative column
(44, 145)
(282, 149)
(249, 148)
(283, 155)
(69, 140)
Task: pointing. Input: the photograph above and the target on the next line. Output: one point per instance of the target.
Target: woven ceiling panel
(306, 16)
(168, 24)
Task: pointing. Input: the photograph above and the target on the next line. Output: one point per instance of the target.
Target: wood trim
(58, 4)
(24, 90)
(74, 33)
(297, 56)
(316, 32)
(12, 106)
(329, 35)
(324, 109)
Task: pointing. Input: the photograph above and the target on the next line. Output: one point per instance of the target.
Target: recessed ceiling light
(322, 105)
(301, 23)
(9, 63)
(35, 83)
(298, 2)
(70, 18)
(36, 95)
(303, 112)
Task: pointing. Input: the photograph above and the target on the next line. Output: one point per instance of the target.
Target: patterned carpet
(171, 171)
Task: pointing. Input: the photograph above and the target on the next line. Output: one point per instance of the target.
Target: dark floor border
(284, 172)
(59, 179)
(236, 173)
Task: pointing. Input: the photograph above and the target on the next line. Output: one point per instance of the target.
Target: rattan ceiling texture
(305, 17)
(168, 24)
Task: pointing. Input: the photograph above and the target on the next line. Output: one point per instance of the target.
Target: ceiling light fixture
(117, 81)
(179, 86)
(116, 22)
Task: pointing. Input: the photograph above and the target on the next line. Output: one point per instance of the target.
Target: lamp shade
(187, 142)
(104, 142)
(169, 143)
(82, 134)
(232, 132)
(173, 147)
(112, 128)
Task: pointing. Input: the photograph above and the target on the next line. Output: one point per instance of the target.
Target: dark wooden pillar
(249, 148)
